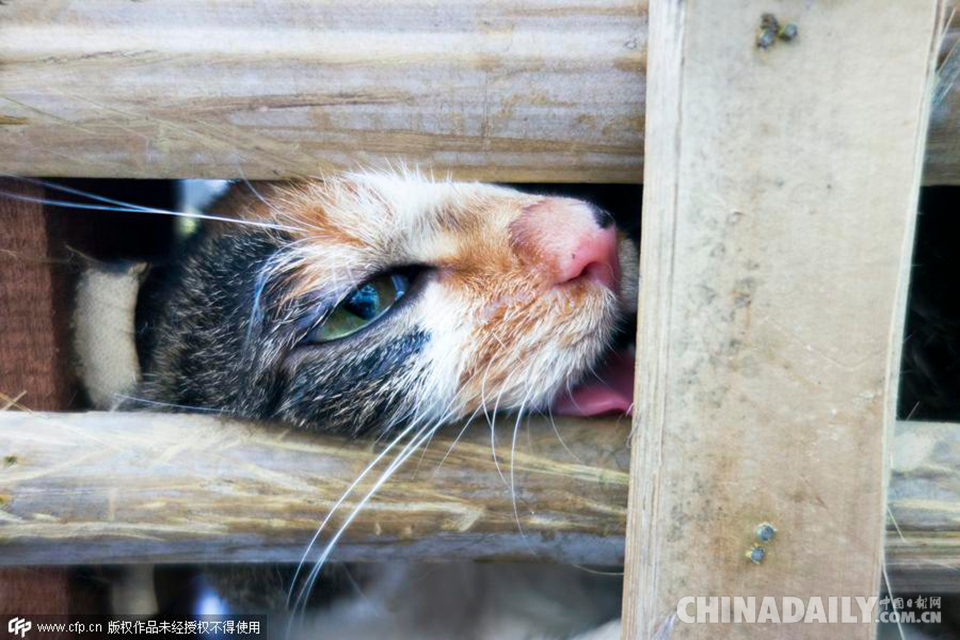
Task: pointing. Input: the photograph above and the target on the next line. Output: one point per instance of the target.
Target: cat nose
(568, 241)
(594, 258)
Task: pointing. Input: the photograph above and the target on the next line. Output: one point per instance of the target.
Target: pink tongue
(612, 392)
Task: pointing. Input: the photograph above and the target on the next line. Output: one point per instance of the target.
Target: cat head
(373, 298)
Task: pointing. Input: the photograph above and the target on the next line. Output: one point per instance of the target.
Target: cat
(371, 302)
(359, 302)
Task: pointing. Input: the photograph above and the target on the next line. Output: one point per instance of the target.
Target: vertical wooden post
(33, 317)
(33, 364)
(782, 170)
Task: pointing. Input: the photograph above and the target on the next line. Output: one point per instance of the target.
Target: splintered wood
(780, 193)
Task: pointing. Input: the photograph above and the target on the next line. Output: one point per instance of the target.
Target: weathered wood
(33, 364)
(126, 488)
(780, 197)
(33, 318)
(923, 520)
(120, 487)
(35, 590)
(511, 90)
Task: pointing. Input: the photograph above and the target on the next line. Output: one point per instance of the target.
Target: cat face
(384, 298)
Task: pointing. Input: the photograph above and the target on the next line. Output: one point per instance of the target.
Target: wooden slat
(127, 488)
(178, 488)
(549, 90)
(779, 204)
(923, 519)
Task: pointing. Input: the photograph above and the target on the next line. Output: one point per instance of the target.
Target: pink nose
(593, 259)
(568, 241)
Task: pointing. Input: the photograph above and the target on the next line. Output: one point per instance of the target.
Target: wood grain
(780, 199)
(129, 488)
(33, 322)
(33, 364)
(923, 518)
(507, 91)
(105, 488)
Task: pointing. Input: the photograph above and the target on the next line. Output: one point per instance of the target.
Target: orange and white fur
(509, 302)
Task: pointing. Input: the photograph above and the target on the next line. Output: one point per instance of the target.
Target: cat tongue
(610, 391)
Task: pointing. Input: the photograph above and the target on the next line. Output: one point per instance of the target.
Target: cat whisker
(483, 391)
(78, 205)
(456, 440)
(513, 484)
(559, 438)
(526, 425)
(418, 439)
(423, 453)
(593, 372)
(256, 193)
(316, 569)
(404, 454)
(492, 420)
(408, 416)
(79, 192)
(171, 405)
(340, 501)
(126, 208)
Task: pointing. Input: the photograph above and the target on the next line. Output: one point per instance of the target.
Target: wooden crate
(780, 195)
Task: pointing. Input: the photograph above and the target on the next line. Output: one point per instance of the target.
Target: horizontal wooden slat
(506, 90)
(101, 487)
(120, 488)
(923, 524)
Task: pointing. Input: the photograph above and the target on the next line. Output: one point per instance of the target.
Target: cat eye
(362, 307)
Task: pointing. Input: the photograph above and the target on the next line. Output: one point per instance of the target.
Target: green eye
(363, 306)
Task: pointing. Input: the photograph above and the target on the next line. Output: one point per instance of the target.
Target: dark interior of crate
(930, 371)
